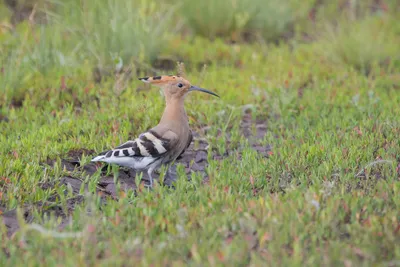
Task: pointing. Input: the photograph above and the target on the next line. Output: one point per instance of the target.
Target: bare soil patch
(194, 160)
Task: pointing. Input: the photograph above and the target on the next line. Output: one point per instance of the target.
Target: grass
(78, 34)
(270, 20)
(328, 194)
(139, 29)
(364, 43)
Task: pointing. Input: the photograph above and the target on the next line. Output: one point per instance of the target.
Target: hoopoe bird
(164, 143)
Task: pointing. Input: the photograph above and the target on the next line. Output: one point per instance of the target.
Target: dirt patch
(165, 63)
(194, 160)
(10, 218)
(27, 10)
(3, 118)
(255, 137)
(11, 222)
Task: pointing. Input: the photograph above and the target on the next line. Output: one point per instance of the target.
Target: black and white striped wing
(139, 153)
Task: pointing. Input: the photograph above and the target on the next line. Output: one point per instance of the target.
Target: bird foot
(148, 186)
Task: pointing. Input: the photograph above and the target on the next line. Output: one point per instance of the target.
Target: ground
(298, 162)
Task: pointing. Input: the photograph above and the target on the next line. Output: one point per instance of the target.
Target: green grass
(138, 29)
(110, 36)
(271, 20)
(364, 44)
(328, 195)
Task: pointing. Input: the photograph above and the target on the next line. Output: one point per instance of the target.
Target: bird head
(174, 86)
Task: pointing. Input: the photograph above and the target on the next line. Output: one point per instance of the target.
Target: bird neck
(174, 113)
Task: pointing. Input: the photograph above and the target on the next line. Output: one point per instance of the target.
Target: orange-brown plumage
(165, 142)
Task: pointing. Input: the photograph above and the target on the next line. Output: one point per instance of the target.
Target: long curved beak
(195, 88)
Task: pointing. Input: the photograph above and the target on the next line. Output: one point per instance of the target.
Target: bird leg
(149, 173)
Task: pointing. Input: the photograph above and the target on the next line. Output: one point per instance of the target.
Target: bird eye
(180, 85)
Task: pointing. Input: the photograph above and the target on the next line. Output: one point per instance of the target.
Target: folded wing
(141, 152)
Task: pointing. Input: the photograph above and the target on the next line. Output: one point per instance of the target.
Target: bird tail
(100, 157)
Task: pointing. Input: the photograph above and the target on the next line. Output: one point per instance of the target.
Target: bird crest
(164, 79)
(159, 80)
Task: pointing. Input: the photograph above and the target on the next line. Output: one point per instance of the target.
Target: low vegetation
(298, 162)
